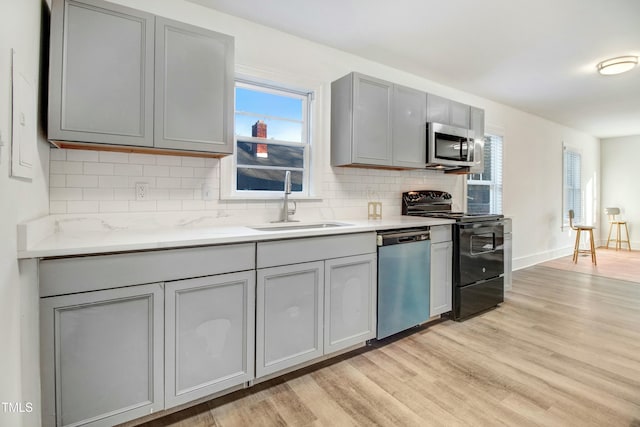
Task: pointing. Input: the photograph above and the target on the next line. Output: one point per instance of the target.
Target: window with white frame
(272, 129)
(572, 185)
(484, 189)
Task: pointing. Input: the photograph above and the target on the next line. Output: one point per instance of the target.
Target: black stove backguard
(478, 251)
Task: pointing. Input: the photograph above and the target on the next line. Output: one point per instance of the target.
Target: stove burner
(437, 204)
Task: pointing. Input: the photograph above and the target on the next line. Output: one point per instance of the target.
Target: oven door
(481, 251)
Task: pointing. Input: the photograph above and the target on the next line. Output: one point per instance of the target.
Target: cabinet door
(438, 109)
(459, 114)
(350, 301)
(477, 122)
(371, 121)
(102, 355)
(194, 88)
(289, 301)
(441, 277)
(209, 335)
(409, 127)
(101, 73)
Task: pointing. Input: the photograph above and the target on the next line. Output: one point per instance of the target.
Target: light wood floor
(563, 350)
(621, 264)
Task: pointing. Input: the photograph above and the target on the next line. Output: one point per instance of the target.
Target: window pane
(267, 179)
(478, 199)
(254, 153)
(281, 130)
(269, 104)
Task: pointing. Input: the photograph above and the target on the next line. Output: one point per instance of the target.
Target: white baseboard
(529, 260)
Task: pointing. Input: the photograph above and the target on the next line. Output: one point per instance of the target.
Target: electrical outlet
(142, 190)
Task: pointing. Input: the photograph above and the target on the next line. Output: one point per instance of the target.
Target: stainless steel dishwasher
(403, 279)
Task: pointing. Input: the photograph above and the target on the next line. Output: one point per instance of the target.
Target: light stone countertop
(62, 235)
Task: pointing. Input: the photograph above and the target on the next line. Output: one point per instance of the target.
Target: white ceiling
(539, 56)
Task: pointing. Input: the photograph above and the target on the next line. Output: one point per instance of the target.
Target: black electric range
(478, 251)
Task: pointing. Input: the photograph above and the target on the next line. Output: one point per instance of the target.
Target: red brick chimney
(259, 130)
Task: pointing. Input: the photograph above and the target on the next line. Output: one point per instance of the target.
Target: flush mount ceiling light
(617, 65)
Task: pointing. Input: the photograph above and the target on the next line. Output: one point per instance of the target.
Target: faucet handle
(295, 206)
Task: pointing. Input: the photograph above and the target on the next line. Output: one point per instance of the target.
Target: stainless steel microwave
(449, 147)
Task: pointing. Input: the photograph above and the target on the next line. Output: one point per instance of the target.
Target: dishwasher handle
(400, 237)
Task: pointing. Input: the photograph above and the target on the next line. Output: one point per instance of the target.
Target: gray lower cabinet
(289, 305)
(120, 76)
(441, 270)
(209, 335)
(349, 301)
(104, 361)
(315, 296)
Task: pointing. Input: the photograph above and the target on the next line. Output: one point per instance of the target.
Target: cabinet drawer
(90, 273)
(295, 251)
(440, 233)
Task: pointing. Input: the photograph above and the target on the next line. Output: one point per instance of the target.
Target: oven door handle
(481, 224)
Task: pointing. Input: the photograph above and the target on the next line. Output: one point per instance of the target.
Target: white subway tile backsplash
(114, 206)
(181, 194)
(181, 172)
(64, 167)
(113, 181)
(127, 170)
(168, 182)
(169, 205)
(82, 181)
(56, 180)
(156, 170)
(168, 161)
(124, 194)
(65, 194)
(57, 207)
(98, 168)
(113, 157)
(142, 206)
(97, 194)
(142, 159)
(133, 180)
(197, 162)
(82, 206)
(57, 154)
(82, 156)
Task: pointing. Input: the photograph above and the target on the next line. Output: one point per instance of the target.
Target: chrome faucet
(284, 216)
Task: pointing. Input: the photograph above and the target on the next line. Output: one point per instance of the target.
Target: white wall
(620, 185)
(21, 201)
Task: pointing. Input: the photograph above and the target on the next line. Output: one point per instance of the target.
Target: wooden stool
(612, 213)
(579, 229)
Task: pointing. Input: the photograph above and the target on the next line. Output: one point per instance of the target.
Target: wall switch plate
(207, 192)
(142, 191)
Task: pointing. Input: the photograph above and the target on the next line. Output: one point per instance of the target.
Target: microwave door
(450, 147)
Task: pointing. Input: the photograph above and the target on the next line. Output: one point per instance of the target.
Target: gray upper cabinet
(361, 121)
(101, 73)
(120, 76)
(193, 88)
(377, 123)
(448, 112)
(477, 122)
(409, 127)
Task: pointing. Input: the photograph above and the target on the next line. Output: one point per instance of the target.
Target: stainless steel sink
(298, 226)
